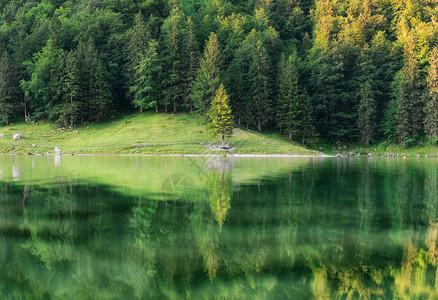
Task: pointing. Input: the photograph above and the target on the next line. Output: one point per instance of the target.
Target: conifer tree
(367, 112)
(220, 115)
(307, 127)
(431, 109)
(289, 109)
(192, 62)
(67, 107)
(208, 76)
(98, 92)
(259, 80)
(409, 113)
(175, 62)
(8, 88)
(136, 48)
(145, 88)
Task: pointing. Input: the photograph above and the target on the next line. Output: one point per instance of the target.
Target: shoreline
(178, 155)
(320, 155)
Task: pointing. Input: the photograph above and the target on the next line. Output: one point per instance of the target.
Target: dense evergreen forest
(359, 70)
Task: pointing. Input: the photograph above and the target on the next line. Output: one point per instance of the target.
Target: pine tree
(259, 80)
(191, 63)
(67, 107)
(8, 88)
(175, 65)
(307, 127)
(145, 88)
(208, 76)
(98, 91)
(431, 109)
(289, 106)
(220, 115)
(409, 113)
(136, 49)
(367, 113)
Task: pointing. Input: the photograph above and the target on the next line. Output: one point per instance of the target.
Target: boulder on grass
(17, 136)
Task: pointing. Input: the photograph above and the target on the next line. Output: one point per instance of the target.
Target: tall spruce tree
(307, 127)
(97, 90)
(174, 32)
(289, 105)
(409, 112)
(431, 109)
(146, 86)
(220, 115)
(136, 49)
(67, 107)
(258, 76)
(366, 113)
(209, 74)
(191, 63)
(8, 88)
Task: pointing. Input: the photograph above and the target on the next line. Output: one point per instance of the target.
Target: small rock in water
(28, 153)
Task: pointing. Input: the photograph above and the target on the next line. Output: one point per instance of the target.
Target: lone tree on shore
(220, 115)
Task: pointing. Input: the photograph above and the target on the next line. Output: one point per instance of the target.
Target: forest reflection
(333, 228)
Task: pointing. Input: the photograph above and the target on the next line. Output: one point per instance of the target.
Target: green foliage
(289, 105)
(431, 107)
(145, 86)
(77, 61)
(367, 113)
(221, 119)
(258, 76)
(8, 88)
(208, 78)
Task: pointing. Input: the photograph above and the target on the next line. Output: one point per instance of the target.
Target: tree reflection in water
(325, 229)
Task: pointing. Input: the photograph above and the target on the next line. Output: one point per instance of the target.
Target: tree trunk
(156, 108)
(141, 109)
(259, 125)
(174, 107)
(223, 140)
(290, 136)
(165, 108)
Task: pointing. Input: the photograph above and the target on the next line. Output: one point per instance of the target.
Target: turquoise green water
(199, 228)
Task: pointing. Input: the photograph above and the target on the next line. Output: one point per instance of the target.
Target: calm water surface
(203, 228)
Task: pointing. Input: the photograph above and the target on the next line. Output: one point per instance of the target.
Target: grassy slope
(154, 133)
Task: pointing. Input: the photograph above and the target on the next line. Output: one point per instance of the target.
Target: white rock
(2, 134)
(17, 136)
(57, 150)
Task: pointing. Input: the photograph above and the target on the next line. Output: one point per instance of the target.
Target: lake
(216, 227)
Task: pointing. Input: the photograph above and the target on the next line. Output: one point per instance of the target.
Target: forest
(338, 70)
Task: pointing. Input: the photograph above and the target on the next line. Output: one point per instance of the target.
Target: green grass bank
(147, 133)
